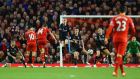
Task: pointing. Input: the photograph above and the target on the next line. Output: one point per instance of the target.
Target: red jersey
(42, 33)
(120, 25)
(30, 36)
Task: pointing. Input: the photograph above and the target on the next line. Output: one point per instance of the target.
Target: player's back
(122, 23)
(30, 36)
(42, 33)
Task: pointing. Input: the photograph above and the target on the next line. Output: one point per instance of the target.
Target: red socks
(121, 67)
(119, 63)
(116, 68)
(33, 59)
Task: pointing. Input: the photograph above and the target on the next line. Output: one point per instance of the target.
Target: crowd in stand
(17, 15)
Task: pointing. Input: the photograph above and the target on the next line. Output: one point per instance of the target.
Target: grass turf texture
(65, 73)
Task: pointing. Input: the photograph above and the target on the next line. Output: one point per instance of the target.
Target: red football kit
(42, 37)
(31, 41)
(120, 25)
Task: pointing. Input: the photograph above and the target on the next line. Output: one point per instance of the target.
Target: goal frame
(85, 16)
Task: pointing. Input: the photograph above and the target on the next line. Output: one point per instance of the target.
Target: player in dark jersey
(64, 30)
(64, 34)
(77, 45)
(12, 54)
(100, 46)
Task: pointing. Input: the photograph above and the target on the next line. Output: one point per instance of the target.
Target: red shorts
(31, 47)
(42, 43)
(120, 47)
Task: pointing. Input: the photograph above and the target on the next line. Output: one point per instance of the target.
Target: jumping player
(120, 25)
(42, 41)
(64, 34)
(30, 36)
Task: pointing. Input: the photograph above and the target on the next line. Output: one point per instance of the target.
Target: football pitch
(66, 73)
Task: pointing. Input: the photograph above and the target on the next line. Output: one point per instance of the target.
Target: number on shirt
(121, 25)
(40, 31)
(31, 36)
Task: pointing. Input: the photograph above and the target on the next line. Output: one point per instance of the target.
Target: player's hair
(122, 9)
(30, 27)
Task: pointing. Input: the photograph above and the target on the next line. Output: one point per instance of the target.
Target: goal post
(86, 17)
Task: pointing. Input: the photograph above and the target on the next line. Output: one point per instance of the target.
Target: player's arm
(138, 43)
(52, 35)
(60, 27)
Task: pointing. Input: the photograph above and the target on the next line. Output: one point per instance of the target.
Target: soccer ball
(90, 51)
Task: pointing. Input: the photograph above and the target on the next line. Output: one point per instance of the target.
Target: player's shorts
(133, 51)
(75, 49)
(41, 43)
(120, 47)
(62, 37)
(10, 60)
(31, 47)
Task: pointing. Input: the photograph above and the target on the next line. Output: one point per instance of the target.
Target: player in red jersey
(30, 36)
(42, 41)
(120, 25)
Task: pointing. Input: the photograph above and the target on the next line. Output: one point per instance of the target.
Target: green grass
(65, 73)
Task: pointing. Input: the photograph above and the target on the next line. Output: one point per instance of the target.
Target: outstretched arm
(52, 36)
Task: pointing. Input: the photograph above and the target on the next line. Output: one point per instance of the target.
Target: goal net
(88, 27)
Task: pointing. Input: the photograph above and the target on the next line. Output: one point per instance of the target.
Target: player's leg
(138, 55)
(9, 60)
(121, 52)
(97, 57)
(66, 42)
(106, 51)
(33, 58)
(87, 55)
(34, 49)
(27, 53)
(115, 73)
(42, 54)
(128, 56)
(41, 46)
(76, 57)
(27, 57)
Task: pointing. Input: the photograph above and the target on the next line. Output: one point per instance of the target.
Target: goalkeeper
(133, 49)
